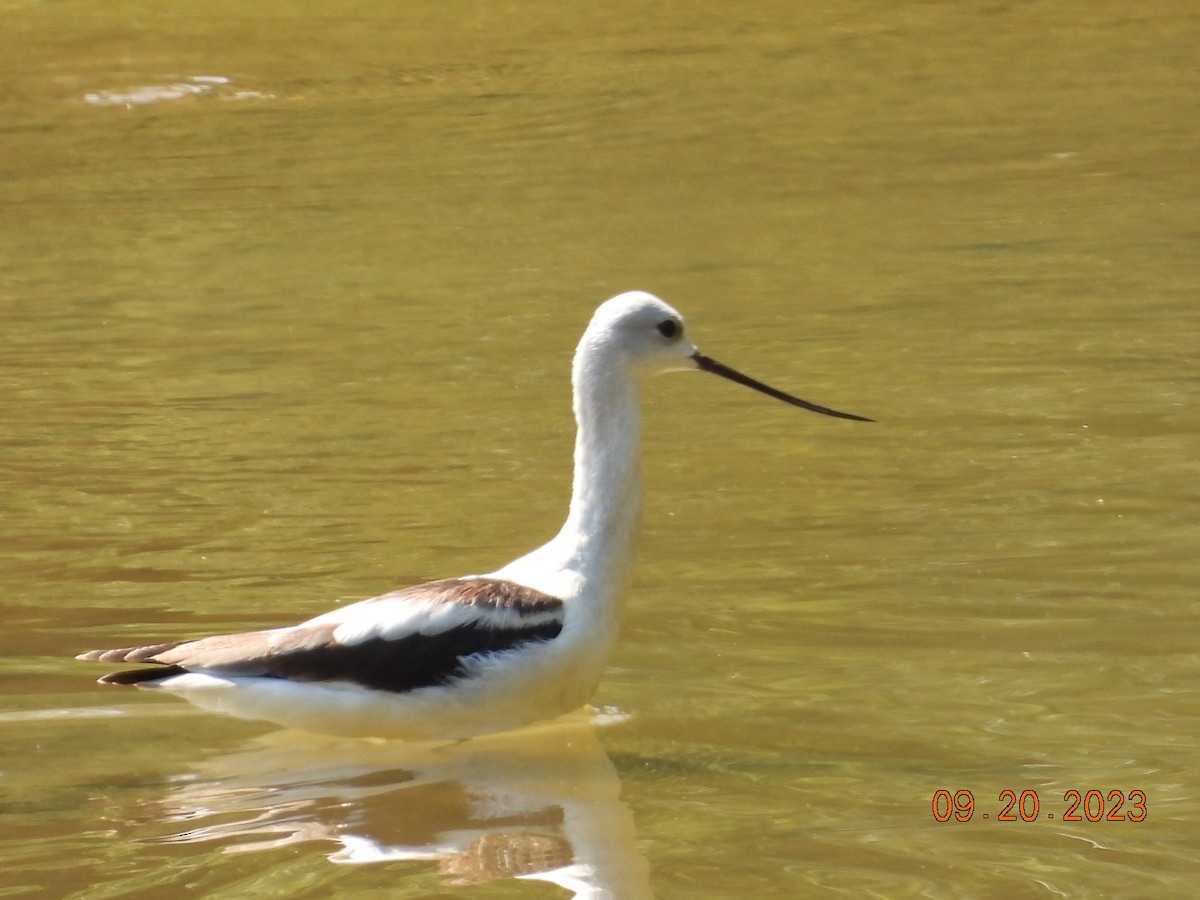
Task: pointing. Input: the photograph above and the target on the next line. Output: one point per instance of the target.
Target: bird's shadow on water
(541, 804)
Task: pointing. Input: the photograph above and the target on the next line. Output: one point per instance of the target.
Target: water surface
(289, 296)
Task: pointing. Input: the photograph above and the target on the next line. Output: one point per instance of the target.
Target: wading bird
(481, 653)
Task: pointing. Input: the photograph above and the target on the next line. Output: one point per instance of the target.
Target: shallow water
(289, 297)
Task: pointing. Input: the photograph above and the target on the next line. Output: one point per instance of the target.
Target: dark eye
(669, 328)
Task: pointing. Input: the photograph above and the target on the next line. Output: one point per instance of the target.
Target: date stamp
(1086, 806)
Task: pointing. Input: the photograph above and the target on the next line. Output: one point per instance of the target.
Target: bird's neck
(606, 493)
(591, 557)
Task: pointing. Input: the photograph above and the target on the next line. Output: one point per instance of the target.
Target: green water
(289, 294)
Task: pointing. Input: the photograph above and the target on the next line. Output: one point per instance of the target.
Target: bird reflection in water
(542, 803)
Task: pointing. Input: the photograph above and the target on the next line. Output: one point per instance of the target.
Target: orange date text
(1027, 806)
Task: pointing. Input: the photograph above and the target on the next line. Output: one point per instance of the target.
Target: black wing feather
(414, 661)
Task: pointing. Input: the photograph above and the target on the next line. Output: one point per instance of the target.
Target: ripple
(216, 86)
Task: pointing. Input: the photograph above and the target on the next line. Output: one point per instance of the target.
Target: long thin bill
(711, 365)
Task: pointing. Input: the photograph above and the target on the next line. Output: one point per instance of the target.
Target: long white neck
(606, 494)
(592, 555)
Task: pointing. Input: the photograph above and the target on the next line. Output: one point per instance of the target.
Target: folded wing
(413, 638)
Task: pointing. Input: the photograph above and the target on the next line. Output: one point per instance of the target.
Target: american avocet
(481, 653)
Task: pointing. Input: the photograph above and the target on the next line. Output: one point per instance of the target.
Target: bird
(460, 657)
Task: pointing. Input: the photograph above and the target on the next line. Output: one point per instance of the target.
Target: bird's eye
(669, 328)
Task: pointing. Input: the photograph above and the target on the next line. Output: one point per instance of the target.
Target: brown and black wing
(489, 616)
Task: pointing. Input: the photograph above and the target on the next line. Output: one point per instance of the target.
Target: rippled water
(289, 296)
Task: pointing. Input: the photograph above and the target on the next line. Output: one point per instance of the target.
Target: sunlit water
(289, 297)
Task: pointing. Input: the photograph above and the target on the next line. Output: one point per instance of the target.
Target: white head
(638, 333)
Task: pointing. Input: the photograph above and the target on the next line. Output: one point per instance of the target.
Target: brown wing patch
(493, 593)
(404, 663)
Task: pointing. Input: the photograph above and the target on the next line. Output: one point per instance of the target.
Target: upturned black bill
(711, 365)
